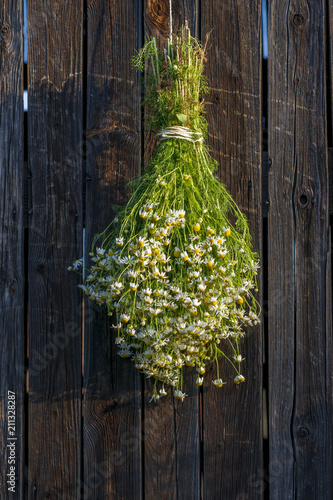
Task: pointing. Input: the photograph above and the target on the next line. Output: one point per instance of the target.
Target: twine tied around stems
(177, 132)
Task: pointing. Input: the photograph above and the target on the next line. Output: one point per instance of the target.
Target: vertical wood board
(300, 411)
(55, 241)
(112, 399)
(12, 369)
(232, 427)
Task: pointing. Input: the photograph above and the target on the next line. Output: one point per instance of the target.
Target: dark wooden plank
(330, 179)
(112, 398)
(300, 385)
(171, 429)
(12, 373)
(265, 169)
(55, 241)
(232, 428)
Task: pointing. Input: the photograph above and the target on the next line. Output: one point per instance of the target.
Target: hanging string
(170, 20)
(176, 132)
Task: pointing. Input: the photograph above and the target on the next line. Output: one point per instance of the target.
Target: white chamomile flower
(164, 231)
(179, 363)
(179, 395)
(151, 228)
(214, 301)
(117, 327)
(143, 214)
(124, 353)
(148, 353)
(125, 318)
(119, 242)
(184, 256)
(155, 271)
(239, 378)
(210, 262)
(180, 214)
(118, 285)
(199, 381)
(238, 358)
(254, 317)
(77, 264)
(155, 397)
(201, 370)
(141, 242)
(219, 240)
(163, 392)
(218, 382)
(189, 361)
(155, 312)
(177, 252)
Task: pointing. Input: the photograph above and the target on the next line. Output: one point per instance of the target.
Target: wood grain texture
(55, 241)
(112, 398)
(300, 385)
(171, 429)
(211, 445)
(232, 416)
(12, 372)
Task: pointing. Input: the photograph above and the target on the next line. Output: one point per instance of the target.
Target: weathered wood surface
(12, 356)
(300, 384)
(171, 430)
(55, 241)
(112, 398)
(232, 416)
(104, 440)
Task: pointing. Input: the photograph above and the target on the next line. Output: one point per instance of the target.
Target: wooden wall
(84, 427)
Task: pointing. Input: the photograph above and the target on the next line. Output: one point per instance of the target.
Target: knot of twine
(176, 132)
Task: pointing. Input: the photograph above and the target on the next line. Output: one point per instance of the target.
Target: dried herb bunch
(174, 270)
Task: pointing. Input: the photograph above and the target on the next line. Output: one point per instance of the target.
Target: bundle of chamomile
(175, 268)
